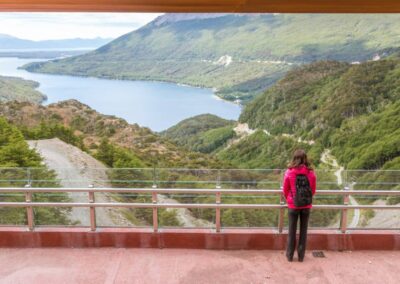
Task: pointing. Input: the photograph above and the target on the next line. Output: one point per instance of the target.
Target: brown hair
(299, 158)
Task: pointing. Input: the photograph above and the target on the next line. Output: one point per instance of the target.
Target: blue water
(155, 105)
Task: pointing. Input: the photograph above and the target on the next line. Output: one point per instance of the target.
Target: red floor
(112, 265)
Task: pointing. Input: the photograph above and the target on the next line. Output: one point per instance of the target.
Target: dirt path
(381, 219)
(242, 130)
(329, 159)
(184, 215)
(384, 218)
(77, 169)
(298, 139)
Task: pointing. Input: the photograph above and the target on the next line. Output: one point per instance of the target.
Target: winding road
(329, 159)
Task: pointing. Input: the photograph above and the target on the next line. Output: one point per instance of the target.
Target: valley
(155, 105)
(332, 91)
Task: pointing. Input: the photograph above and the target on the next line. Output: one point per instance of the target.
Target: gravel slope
(76, 168)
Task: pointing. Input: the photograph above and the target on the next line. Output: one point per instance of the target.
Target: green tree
(15, 156)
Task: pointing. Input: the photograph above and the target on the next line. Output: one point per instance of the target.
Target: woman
(299, 169)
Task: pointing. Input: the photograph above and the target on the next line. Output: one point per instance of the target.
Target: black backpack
(303, 191)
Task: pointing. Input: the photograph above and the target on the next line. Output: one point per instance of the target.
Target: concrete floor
(112, 265)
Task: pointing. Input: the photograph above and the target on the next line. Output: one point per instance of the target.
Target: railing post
(281, 212)
(154, 198)
(218, 210)
(29, 209)
(219, 178)
(28, 177)
(343, 219)
(92, 210)
(154, 177)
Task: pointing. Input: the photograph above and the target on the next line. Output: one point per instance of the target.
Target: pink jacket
(289, 184)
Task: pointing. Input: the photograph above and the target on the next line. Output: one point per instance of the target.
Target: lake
(156, 105)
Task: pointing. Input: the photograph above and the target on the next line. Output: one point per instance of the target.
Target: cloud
(40, 26)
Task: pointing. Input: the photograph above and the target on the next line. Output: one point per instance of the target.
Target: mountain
(12, 88)
(352, 109)
(13, 43)
(238, 54)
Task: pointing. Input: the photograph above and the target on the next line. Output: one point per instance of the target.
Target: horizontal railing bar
(187, 205)
(189, 169)
(137, 205)
(144, 190)
(46, 226)
(196, 191)
(150, 181)
(183, 182)
(175, 195)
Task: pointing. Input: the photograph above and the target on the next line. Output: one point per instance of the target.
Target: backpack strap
(291, 192)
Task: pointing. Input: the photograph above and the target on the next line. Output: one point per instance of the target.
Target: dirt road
(384, 218)
(184, 215)
(329, 159)
(77, 169)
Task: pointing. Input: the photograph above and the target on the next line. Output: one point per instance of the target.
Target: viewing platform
(83, 224)
(108, 265)
(194, 226)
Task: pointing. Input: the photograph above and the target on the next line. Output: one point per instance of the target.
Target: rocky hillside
(80, 125)
(238, 54)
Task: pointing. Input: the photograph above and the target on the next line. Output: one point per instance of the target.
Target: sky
(42, 26)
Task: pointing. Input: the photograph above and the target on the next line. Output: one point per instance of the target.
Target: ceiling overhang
(238, 6)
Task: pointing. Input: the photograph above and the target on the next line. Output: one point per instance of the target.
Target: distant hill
(17, 89)
(203, 133)
(13, 43)
(50, 54)
(238, 54)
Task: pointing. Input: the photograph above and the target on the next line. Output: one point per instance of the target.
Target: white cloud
(40, 26)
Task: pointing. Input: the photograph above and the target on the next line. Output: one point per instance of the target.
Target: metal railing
(218, 205)
(184, 177)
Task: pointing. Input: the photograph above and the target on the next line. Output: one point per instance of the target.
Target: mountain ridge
(261, 48)
(11, 42)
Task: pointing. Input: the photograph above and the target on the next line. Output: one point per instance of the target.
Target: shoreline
(213, 89)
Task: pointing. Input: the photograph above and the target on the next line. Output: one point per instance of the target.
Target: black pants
(294, 215)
